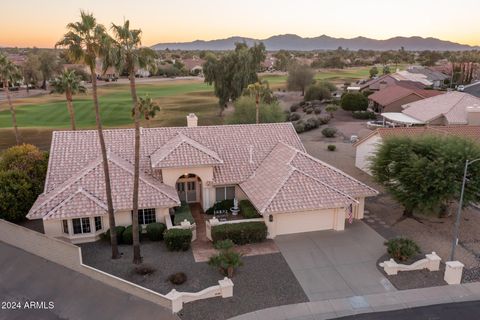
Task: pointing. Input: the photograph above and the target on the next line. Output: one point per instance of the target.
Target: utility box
(453, 272)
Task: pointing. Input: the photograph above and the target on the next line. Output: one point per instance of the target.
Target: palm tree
(10, 73)
(254, 90)
(69, 83)
(147, 107)
(86, 41)
(128, 54)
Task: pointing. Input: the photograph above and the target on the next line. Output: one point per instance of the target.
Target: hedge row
(247, 210)
(240, 233)
(124, 235)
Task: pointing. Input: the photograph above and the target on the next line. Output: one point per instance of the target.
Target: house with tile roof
(265, 163)
(366, 147)
(391, 98)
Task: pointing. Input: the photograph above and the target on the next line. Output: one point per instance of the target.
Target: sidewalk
(334, 308)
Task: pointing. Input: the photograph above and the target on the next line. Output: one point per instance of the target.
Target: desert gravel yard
(263, 281)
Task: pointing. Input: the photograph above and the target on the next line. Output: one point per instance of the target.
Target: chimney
(473, 115)
(192, 120)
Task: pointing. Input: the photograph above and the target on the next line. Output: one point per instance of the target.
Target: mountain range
(323, 42)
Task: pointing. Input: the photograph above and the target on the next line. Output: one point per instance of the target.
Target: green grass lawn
(115, 106)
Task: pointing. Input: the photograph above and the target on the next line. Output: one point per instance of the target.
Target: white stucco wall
(365, 150)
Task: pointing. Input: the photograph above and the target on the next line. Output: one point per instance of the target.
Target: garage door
(304, 221)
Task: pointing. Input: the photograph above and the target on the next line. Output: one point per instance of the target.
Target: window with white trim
(81, 225)
(224, 193)
(65, 226)
(98, 223)
(146, 216)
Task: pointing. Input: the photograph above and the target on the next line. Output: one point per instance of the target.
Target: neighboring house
(194, 65)
(391, 98)
(110, 74)
(437, 78)
(265, 163)
(452, 108)
(387, 80)
(366, 147)
(405, 75)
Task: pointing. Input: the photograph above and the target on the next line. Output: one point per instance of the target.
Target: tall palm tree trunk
(71, 110)
(108, 188)
(137, 258)
(257, 116)
(18, 136)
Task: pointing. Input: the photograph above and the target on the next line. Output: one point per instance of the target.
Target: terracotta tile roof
(451, 105)
(290, 180)
(396, 92)
(185, 152)
(90, 179)
(79, 204)
(470, 132)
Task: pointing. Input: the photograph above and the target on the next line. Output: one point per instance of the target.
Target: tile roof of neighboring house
(395, 92)
(409, 76)
(291, 180)
(90, 179)
(181, 150)
(376, 81)
(193, 63)
(451, 105)
(470, 132)
(431, 74)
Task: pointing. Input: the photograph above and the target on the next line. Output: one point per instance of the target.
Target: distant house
(452, 108)
(391, 98)
(436, 78)
(194, 65)
(387, 80)
(366, 147)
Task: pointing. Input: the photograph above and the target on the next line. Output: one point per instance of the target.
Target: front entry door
(187, 191)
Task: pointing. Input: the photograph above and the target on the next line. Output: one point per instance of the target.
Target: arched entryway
(189, 188)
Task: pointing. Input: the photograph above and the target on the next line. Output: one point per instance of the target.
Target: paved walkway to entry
(336, 264)
(334, 308)
(203, 249)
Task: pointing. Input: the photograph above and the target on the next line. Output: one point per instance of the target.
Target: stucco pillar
(453, 272)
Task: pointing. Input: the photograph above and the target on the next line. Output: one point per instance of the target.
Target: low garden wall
(70, 256)
(430, 262)
(183, 225)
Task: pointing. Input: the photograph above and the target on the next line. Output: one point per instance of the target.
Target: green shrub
(324, 120)
(294, 117)
(247, 210)
(311, 123)
(354, 102)
(331, 147)
(364, 115)
(299, 126)
(294, 107)
(226, 261)
(155, 231)
(309, 110)
(317, 110)
(181, 213)
(402, 249)
(317, 92)
(118, 230)
(329, 132)
(177, 239)
(240, 233)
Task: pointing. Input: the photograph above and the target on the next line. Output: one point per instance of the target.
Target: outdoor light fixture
(270, 218)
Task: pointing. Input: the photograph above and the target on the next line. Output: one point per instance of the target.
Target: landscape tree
(317, 92)
(86, 41)
(27, 159)
(31, 71)
(283, 60)
(68, 83)
(331, 108)
(233, 72)
(260, 91)
(425, 173)
(9, 73)
(373, 72)
(49, 66)
(386, 70)
(22, 176)
(299, 77)
(129, 54)
(147, 108)
(245, 108)
(354, 101)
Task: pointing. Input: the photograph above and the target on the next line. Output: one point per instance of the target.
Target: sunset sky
(41, 23)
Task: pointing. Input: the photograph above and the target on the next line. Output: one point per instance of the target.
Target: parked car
(460, 87)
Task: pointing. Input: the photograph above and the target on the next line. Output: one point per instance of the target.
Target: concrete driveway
(336, 264)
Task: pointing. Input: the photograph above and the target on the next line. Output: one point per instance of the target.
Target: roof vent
(192, 120)
(250, 153)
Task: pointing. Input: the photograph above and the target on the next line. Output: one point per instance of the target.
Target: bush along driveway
(332, 264)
